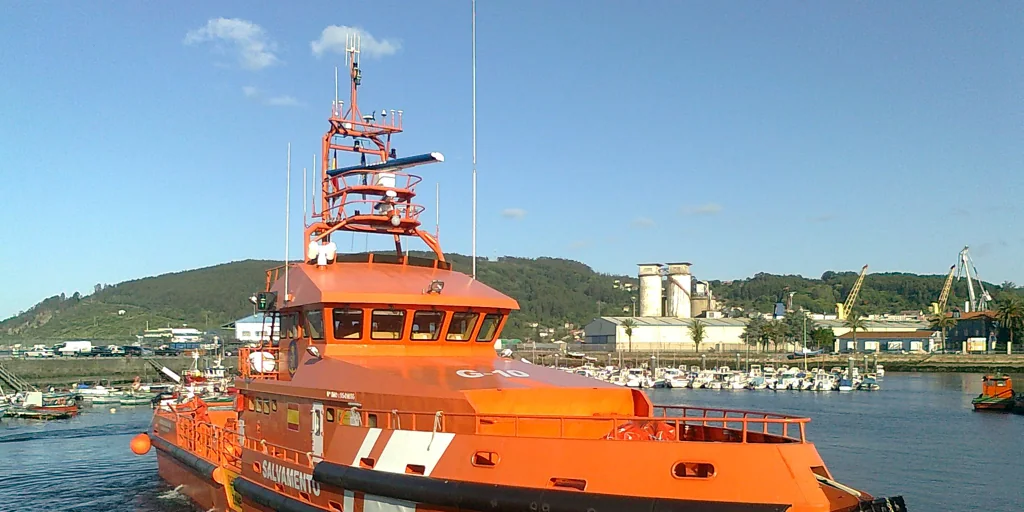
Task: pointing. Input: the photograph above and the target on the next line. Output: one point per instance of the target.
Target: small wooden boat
(137, 399)
(40, 413)
(996, 394)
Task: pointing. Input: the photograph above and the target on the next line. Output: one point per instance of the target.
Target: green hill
(552, 292)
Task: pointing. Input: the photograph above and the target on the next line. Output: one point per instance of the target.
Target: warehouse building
(669, 334)
(923, 340)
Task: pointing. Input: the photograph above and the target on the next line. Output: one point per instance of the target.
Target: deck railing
(688, 424)
(223, 446)
(270, 360)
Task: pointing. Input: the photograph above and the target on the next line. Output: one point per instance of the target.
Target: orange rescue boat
(385, 393)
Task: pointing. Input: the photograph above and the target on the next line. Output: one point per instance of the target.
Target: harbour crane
(842, 310)
(965, 265)
(939, 307)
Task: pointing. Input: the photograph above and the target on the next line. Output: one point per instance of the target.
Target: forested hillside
(881, 293)
(552, 292)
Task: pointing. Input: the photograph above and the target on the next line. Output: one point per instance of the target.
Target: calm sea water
(917, 437)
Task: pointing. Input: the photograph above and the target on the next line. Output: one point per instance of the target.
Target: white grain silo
(650, 289)
(679, 285)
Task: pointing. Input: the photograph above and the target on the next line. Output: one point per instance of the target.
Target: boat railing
(370, 180)
(259, 362)
(214, 443)
(678, 423)
(365, 210)
(223, 446)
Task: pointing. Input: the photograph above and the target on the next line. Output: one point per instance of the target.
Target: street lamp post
(805, 343)
(634, 305)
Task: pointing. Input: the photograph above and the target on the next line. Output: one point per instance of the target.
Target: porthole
(693, 470)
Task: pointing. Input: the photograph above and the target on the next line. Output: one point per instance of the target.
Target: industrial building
(922, 340)
(671, 300)
(666, 334)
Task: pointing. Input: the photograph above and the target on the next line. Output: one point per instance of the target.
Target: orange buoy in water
(140, 444)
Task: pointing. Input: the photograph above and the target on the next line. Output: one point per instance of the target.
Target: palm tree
(697, 333)
(854, 322)
(944, 323)
(1010, 312)
(628, 325)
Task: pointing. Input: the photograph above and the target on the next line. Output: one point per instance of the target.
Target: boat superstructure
(385, 392)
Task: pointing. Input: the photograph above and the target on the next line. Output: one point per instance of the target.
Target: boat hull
(982, 404)
(190, 481)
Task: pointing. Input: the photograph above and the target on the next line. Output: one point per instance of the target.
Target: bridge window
(462, 326)
(388, 324)
(348, 324)
(426, 325)
(489, 327)
(290, 325)
(315, 324)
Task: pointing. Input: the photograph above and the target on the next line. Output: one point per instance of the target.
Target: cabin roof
(387, 283)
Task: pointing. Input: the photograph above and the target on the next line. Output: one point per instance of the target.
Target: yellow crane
(842, 310)
(939, 307)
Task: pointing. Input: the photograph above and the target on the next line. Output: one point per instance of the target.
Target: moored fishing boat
(996, 394)
(385, 392)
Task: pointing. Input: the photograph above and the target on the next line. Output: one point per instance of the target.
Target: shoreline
(912, 363)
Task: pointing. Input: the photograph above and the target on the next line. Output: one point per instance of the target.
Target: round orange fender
(140, 444)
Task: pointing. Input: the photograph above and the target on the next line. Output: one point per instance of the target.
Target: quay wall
(63, 371)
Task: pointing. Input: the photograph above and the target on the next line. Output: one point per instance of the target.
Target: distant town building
(181, 338)
(254, 328)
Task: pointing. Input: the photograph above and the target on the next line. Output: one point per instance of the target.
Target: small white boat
(879, 371)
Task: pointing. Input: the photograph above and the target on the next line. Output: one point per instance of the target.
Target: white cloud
(704, 209)
(283, 100)
(642, 223)
(245, 38)
(513, 213)
(333, 38)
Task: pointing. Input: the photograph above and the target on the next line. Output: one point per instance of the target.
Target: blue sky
(744, 137)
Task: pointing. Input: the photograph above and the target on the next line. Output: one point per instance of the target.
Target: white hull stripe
(413, 447)
(367, 446)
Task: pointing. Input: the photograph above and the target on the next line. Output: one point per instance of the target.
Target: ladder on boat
(15, 382)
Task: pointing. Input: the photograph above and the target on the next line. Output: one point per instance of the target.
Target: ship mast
(372, 196)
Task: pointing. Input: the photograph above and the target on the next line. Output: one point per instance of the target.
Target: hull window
(489, 327)
(462, 326)
(426, 325)
(387, 324)
(348, 324)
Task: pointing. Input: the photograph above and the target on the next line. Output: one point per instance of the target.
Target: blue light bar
(395, 164)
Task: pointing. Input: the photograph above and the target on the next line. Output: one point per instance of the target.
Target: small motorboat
(869, 384)
(996, 394)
